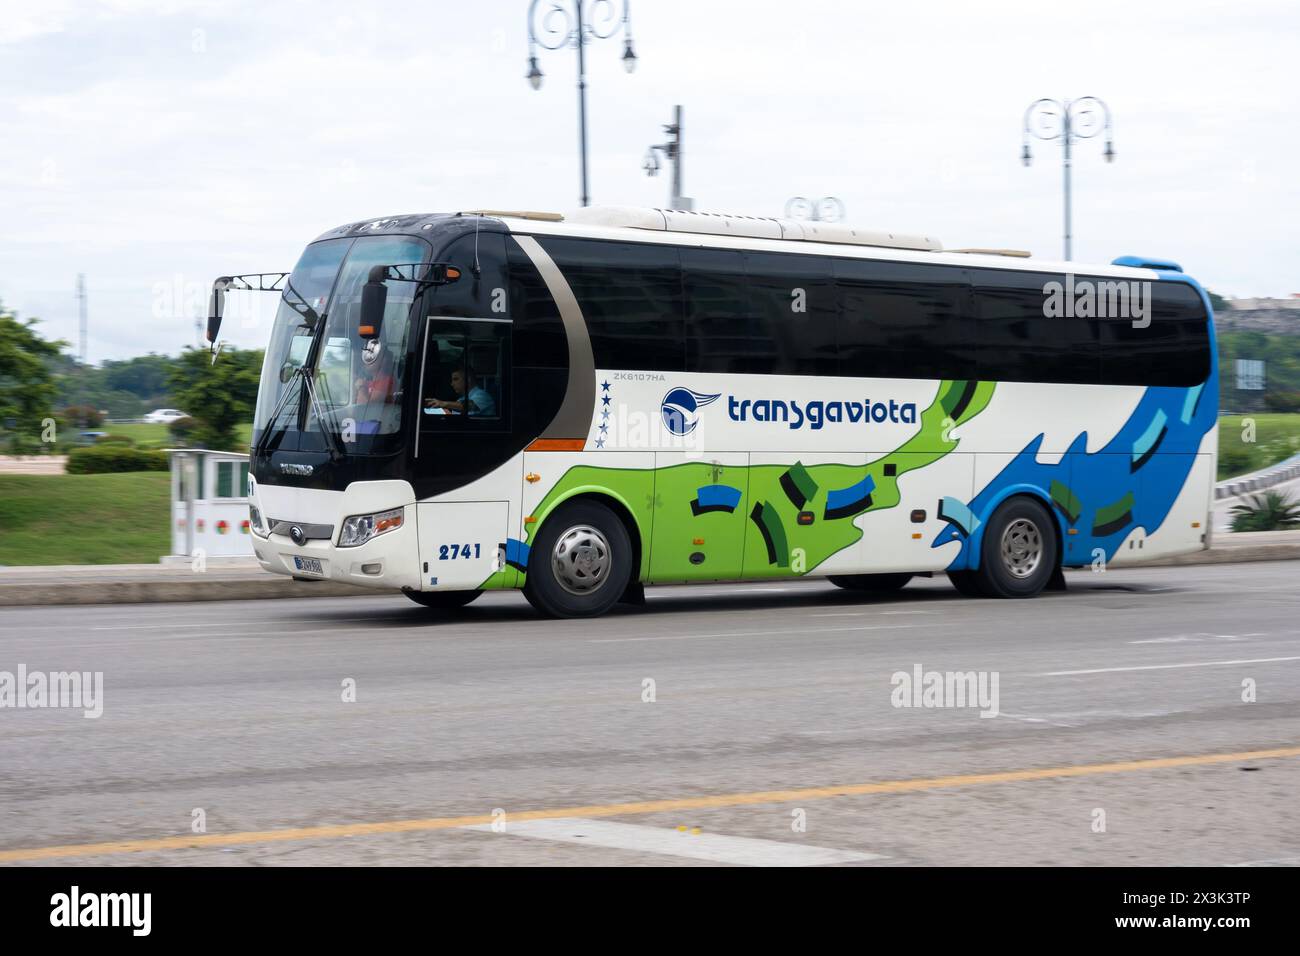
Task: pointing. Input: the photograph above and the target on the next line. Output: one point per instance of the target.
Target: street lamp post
(560, 25)
(673, 151)
(826, 209)
(1068, 120)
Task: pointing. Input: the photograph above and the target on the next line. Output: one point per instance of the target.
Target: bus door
(464, 415)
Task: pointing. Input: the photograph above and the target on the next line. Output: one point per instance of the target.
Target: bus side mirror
(216, 307)
(374, 296)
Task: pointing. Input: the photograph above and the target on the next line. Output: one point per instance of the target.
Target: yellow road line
(200, 841)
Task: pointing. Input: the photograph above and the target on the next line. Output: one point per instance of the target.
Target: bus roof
(724, 231)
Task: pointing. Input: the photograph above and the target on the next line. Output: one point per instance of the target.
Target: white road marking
(741, 851)
(1032, 720)
(1183, 638)
(1278, 861)
(793, 630)
(1162, 667)
(873, 613)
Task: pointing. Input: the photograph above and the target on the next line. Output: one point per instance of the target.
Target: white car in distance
(164, 416)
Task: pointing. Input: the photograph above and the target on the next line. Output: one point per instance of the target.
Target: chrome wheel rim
(1022, 547)
(581, 559)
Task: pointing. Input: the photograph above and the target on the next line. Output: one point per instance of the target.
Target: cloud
(149, 139)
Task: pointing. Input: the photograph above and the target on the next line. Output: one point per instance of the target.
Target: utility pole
(81, 312)
(672, 150)
(81, 317)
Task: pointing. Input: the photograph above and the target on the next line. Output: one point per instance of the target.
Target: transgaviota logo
(680, 409)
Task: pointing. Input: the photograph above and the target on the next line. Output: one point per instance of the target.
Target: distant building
(1276, 316)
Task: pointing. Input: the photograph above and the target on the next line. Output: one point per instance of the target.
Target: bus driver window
(465, 379)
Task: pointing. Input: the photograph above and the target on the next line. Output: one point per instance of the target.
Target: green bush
(1282, 401)
(16, 443)
(1235, 460)
(83, 416)
(101, 459)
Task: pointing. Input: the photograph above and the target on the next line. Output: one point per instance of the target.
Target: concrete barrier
(1285, 471)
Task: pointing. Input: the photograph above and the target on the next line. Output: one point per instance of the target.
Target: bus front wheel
(442, 600)
(580, 563)
(1018, 554)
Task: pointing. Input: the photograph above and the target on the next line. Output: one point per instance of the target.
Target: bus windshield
(350, 396)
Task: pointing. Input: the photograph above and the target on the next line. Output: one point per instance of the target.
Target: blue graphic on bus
(715, 498)
(1131, 482)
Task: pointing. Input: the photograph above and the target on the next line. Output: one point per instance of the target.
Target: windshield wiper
(328, 424)
(267, 431)
(336, 447)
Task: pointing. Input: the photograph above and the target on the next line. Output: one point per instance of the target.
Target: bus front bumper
(389, 560)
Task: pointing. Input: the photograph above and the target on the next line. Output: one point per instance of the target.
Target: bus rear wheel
(442, 600)
(1018, 554)
(580, 563)
(878, 583)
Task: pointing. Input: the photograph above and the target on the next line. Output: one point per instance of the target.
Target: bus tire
(442, 600)
(1018, 554)
(878, 583)
(580, 563)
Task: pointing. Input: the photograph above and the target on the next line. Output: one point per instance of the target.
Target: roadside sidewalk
(231, 580)
(243, 580)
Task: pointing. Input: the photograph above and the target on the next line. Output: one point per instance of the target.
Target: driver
(473, 398)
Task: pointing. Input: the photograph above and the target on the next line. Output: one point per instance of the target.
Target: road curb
(1234, 555)
(143, 591)
(152, 586)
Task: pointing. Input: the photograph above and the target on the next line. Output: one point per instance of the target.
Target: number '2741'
(450, 552)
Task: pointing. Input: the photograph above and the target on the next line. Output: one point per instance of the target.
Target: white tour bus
(581, 405)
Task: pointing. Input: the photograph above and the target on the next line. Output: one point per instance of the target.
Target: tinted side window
(723, 333)
(793, 301)
(1173, 349)
(1023, 333)
(630, 294)
(902, 320)
(539, 339)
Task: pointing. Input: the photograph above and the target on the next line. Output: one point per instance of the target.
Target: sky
(156, 144)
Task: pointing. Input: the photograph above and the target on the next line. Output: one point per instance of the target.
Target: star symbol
(600, 443)
(604, 413)
(605, 385)
(604, 428)
(605, 399)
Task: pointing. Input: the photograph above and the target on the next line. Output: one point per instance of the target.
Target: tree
(1217, 302)
(144, 376)
(26, 385)
(219, 395)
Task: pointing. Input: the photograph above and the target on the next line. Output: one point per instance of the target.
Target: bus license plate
(308, 565)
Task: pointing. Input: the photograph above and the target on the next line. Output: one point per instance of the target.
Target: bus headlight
(255, 522)
(359, 529)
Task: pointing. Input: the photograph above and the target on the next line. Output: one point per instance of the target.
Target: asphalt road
(237, 710)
